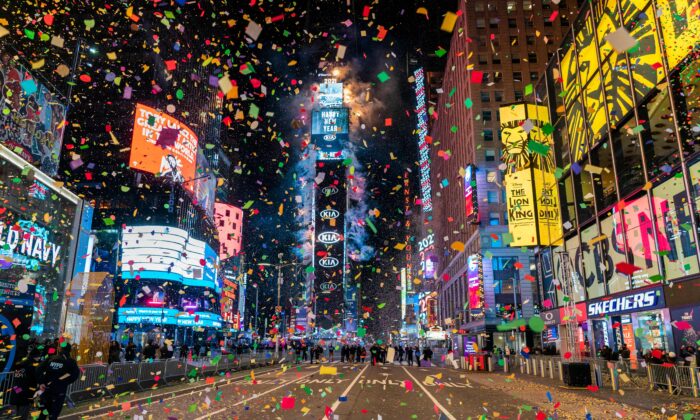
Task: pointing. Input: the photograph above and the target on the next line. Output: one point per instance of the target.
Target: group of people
(41, 379)
(357, 353)
(687, 356)
(154, 351)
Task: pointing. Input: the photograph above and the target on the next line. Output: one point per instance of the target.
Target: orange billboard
(163, 145)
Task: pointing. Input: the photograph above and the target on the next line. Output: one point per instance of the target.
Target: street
(360, 392)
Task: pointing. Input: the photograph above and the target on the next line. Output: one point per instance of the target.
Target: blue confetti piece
(343, 398)
(576, 168)
(549, 396)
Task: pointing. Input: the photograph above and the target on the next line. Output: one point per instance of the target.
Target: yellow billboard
(680, 23)
(532, 196)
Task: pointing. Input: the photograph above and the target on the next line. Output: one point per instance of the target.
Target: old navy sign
(628, 302)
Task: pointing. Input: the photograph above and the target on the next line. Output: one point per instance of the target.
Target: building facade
(229, 223)
(497, 53)
(625, 140)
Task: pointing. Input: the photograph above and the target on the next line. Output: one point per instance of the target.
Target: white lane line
(220, 383)
(435, 401)
(208, 415)
(347, 390)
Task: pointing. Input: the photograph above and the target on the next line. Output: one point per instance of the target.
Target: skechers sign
(629, 302)
(329, 214)
(328, 262)
(329, 237)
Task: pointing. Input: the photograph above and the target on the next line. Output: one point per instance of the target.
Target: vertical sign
(475, 284)
(403, 295)
(423, 147)
(471, 202)
(531, 187)
(329, 248)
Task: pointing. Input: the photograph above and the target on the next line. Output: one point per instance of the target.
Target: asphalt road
(351, 392)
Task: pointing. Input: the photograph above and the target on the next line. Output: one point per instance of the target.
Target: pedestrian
(149, 352)
(427, 355)
(416, 352)
(312, 353)
(130, 352)
(363, 354)
(353, 349)
(357, 353)
(115, 351)
(374, 351)
(304, 351)
(343, 353)
(400, 351)
(183, 351)
(409, 355)
(197, 348)
(330, 353)
(54, 376)
(24, 384)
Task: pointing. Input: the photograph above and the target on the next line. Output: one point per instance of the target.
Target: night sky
(133, 46)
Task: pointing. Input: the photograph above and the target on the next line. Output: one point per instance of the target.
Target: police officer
(53, 376)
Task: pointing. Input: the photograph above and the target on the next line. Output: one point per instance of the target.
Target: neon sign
(423, 147)
(28, 245)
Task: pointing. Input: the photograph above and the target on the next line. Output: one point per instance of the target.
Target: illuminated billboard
(475, 284)
(329, 244)
(330, 94)
(329, 129)
(426, 248)
(32, 117)
(168, 254)
(163, 145)
(471, 201)
(168, 316)
(532, 195)
(423, 146)
(680, 23)
(229, 225)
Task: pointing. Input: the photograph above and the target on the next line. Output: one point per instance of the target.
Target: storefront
(553, 332)
(637, 319)
(683, 301)
(38, 225)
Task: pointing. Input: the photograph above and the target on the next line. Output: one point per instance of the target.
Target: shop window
(584, 195)
(488, 134)
(658, 135)
(568, 202)
(628, 161)
(603, 177)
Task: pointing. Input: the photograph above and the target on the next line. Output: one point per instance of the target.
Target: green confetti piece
(548, 129)
(528, 89)
(452, 92)
(254, 111)
(192, 408)
(361, 332)
(179, 94)
(247, 205)
(383, 77)
(108, 221)
(440, 52)
(310, 269)
(453, 129)
(370, 224)
(29, 34)
(381, 305)
(536, 324)
(468, 103)
(537, 147)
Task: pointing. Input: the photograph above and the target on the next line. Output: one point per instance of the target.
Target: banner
(163, 145)
(475, 283)
(532, 196)
(471, 201)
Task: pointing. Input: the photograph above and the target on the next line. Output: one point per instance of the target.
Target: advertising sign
(168, 316)
(471, 200)
(423, 146)
(330, 94)
(204, 185)
(475, 283)
(168, 254)
(634, 301)
(229, 225)
(163, 145)
(329, 129)
(680, 26)
(32, 120)
(532, 194)
(329, 245)
(425, 254)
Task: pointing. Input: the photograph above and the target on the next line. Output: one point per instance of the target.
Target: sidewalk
(525, 386)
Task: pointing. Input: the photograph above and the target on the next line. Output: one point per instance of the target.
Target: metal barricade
(663, 378)
(175, 369)
(152, 373)
(92, 382)
(6, 380)
(124, 376)
(687, 380)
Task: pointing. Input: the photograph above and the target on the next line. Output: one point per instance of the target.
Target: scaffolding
(569, 284)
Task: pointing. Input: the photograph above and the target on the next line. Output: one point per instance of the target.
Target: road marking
(221, 383)
(435, 401)
(208, 415)
(347, 390)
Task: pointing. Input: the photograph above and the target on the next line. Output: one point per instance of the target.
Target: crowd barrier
(604, 373)
(6, 380)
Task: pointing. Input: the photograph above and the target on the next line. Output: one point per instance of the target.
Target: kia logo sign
(329, 237)
(329, 137)
(332, 190)
(328, 262)
(328, 214)
(328, 286)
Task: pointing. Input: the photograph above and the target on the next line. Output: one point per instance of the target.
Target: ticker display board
(329, 244)
(329, 128)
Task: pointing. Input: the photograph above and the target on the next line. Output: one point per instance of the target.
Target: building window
(530, 39)
(532, 57)
(490, 155)
(510, 6)
(492, 176)
(479, 6)
(514, 41)
(486, 115)
(517, 76)
(496, 59)
(483, 60)
(498, 96)
(492, 197)
(512, 23)
(494, 218)
(527, 5)
(534, 76)
(485, 97)
(493, 22)
(564, 21)
(518, 95)
(488, 134)
(221, 222)
(486, 78)
(497, 77)
(481, 23)
(491, 6)
(228, 213)
(515, 58)
(529, 23)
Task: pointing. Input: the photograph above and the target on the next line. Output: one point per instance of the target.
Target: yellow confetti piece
(328, 370)
(448, 23)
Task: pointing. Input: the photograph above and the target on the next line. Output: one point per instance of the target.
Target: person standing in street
(409, 355)
(400, 352)
(54, 376)
(330, 352)
(130, 352)
(24, 382)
